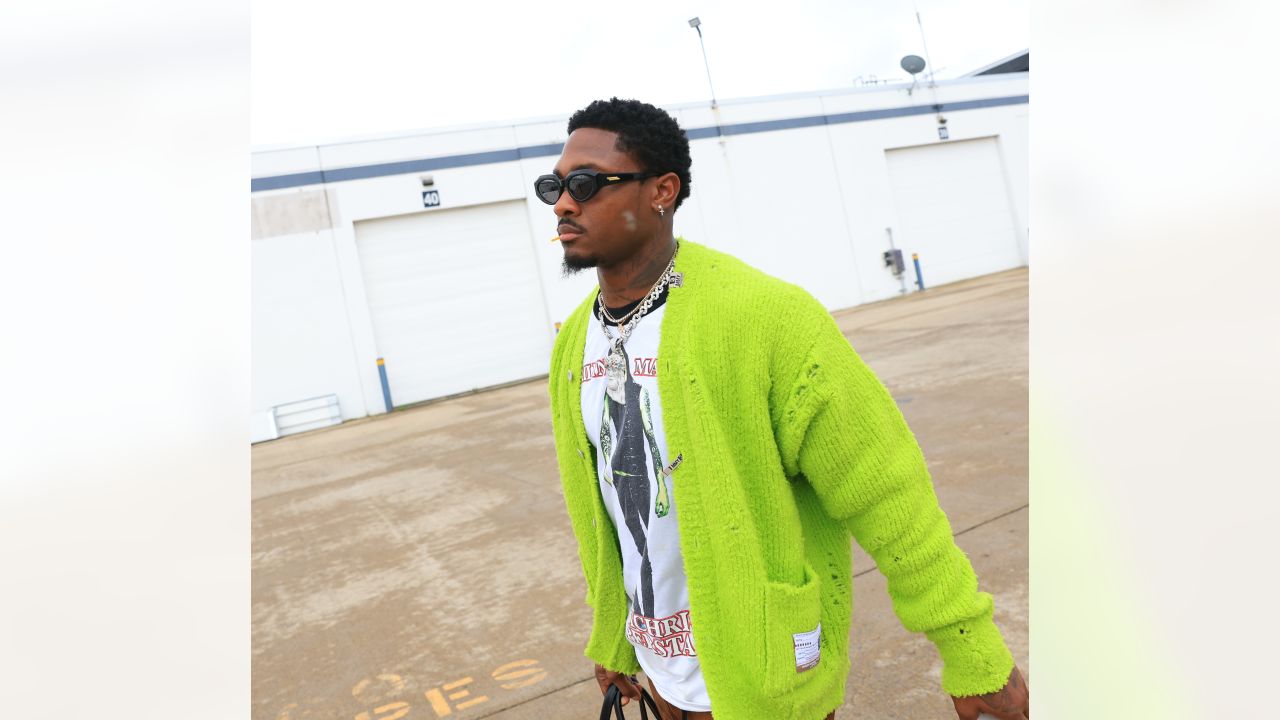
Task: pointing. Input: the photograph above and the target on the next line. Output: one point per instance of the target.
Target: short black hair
(645, 132)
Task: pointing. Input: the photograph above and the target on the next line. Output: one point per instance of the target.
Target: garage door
(454, 298)
(953, 208)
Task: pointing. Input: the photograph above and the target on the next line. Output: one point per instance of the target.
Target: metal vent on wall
(303, 415)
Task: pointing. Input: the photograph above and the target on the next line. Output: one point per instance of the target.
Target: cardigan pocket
(792, 615)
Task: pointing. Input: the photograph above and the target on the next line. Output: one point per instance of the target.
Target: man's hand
(1012, 702)
(626, 684)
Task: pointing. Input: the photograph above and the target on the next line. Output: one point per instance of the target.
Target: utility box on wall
(893, 260)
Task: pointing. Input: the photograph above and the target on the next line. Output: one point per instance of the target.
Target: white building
(431, 252)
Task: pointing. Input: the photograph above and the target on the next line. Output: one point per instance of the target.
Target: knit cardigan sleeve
(841, 430)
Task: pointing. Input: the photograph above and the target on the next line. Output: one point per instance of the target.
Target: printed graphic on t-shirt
(641, 367)
(666, 637)
(628, 443)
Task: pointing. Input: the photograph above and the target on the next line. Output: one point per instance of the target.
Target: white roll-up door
(953, 209)
(454, 298)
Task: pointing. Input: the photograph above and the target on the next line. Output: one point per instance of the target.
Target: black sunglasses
(581, 184)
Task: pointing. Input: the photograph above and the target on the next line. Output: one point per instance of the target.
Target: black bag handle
(613, 701)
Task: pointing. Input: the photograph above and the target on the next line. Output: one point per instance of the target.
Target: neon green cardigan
(790, 445)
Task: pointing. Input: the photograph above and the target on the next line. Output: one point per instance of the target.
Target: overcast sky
(326, 70)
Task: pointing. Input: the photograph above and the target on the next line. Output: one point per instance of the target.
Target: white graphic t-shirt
(623, 417)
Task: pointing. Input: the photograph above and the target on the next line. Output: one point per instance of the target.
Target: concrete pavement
(420, 565)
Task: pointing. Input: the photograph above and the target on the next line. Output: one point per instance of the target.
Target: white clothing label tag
(808, 648)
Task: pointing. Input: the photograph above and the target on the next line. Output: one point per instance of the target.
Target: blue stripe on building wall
(275, 182)
(532, 151)
(361, 172)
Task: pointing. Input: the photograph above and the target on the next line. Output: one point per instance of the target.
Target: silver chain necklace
(618, 321)
(617, 363)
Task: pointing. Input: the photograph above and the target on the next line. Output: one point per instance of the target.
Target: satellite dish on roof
(912, 64)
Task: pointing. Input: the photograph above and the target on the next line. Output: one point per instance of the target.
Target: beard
(574, 265)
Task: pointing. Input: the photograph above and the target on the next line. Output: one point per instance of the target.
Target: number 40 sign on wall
(430, 198)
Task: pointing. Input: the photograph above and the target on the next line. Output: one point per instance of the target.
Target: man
(721, 419)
